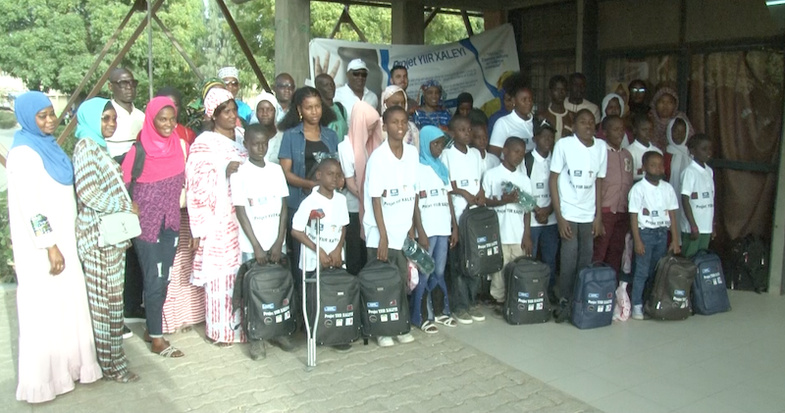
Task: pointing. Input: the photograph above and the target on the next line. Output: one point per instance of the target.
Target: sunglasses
(638, 90)
(284, 86)
(126, 84)
(360, 74)
(232, 83)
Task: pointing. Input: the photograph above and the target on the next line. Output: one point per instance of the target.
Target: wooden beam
(431, 16)
(467, 23)
(179, 47)
(243, 45)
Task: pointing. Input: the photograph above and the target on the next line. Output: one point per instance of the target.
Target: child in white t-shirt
(520, 121)
(465, 166)
(697, 198)
(578, 166)
(652, 207)
(479, 139)
(391, 193)
(514, 222)
(642, 130)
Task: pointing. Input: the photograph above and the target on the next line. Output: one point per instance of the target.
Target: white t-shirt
(261, 191)
(273, 147)
(347, 98)
(541, 172)
(395, 182)
(128, 127)
(637, 150)
(490, 161)
(652, 203)
(346, 156)
(697, 183)
(434, 204)
(578, 167)
(466, 170)
(511, 226)
(513, 125)
(335, 218)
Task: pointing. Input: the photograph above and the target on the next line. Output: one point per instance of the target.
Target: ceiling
(473, 5)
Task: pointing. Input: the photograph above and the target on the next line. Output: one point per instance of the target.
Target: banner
(471, 65)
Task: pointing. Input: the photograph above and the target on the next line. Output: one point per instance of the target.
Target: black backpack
(527, 292)
(593, 298)
(748, 266)
(670, 294)
(385, 311)
(265, 294)
(709, 295)
(480, 244)
(339, 318)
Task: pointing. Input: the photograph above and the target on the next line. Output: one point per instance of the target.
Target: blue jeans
(547, 239)
(156, 259)
(656, 243)
(438, 250)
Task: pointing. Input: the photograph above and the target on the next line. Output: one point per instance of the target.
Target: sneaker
(476, 314)
(127, 333)
(405, 338)
(284, 343)
(342, 348)
(463, 317)
(637, 312)
(258, 350)
(385, 341)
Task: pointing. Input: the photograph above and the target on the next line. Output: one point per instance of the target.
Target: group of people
(382, 170)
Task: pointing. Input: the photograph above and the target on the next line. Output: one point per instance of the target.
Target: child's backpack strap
(528, 160)
(138, 167)
(341, 108)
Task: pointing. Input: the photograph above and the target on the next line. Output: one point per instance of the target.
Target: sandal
(223, 345)
(171, 352)
(446, 320)
(429, 327)
(128, 377)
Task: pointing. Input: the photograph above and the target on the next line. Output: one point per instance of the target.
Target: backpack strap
(138, 167)
(341, 108)
(528, 160)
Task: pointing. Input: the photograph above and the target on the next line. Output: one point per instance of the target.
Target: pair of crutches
(310, 331)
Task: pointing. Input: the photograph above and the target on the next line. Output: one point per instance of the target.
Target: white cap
(229, 71)
(356, 64)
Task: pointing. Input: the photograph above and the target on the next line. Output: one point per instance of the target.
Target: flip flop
(128, 377)
(429, 328)
(171, 352)
(446, 320)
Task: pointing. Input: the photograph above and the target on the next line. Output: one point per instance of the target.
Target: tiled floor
(730, 362)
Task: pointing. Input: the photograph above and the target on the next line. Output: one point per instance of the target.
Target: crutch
(310, 331)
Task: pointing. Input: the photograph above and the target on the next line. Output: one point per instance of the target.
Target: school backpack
(593, 297)
(266, 300)
(670, 294)
(709, 294)
(339, 318)
(748, 266)
(481, 247)
(527, 292)
(385, 312)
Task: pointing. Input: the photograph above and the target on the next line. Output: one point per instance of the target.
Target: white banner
(471, 65)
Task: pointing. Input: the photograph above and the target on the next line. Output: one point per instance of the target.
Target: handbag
(118, 227)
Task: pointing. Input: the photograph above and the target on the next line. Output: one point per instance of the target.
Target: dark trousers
(156, 259)
(576, 254)
(132, 293)
(356, 255)
(464, 287)
(609, 248)
(545, 241)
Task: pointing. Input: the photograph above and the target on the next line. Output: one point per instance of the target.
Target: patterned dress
(213, 221)
(100, 191)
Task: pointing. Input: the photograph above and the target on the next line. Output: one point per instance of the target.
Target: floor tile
(627, 402)
(587, 386)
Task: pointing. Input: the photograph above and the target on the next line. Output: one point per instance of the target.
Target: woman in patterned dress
(214, 156)
(100, 191)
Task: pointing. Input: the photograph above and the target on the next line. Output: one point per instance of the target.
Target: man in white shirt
(129, 119)
(576, 101)
(354, 90)
(284, 90)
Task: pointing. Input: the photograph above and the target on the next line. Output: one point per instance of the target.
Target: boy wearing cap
(354, 90)
(231, 78)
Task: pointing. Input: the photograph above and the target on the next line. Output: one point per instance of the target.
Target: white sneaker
(405, 338)
(385, 341)
(637, 312)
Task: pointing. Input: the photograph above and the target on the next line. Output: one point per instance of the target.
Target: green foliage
(7, 119)
(7, 273)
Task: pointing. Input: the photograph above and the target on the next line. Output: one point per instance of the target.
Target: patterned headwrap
(428, 84)
(215, 98)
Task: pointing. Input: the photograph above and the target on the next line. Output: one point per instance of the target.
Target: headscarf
(659, 138)
(214, 98)
(429, 134)
(265, 96)
(429, 84)
(413, 134)
(365, 135)
(229, 71)
(164, 156)
(88, 118)
(681, 154)
(55, 161)
(391, 90)
(607, 100)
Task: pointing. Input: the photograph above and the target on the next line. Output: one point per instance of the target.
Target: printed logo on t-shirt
(577, 173)
(464, 182)
(591, 174)
(705, 194)
(393, 192)
(540, 185)
(434, 192)
(655, 213)
(694, 195)
(423, 194)
(627, 165)
(645, 211)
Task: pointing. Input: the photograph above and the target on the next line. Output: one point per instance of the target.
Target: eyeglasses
(127, 84)
(360, 74)
(284, 86)
(639, 90)
(232, 83)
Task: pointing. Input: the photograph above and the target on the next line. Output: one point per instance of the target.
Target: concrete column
(579, 35)
(292, 34)
(408, 22)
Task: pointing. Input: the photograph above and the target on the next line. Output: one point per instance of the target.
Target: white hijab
(681, 154)
(607, 99)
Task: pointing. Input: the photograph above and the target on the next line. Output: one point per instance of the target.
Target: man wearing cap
(354, 90)
(231, 78)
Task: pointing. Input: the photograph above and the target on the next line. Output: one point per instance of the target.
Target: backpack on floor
(526, 283)
(385, 311)
(339, 318)
(594, 297)
(748, 266)
(267, 293)
(481, 247)
(709, 294)
(670, 294)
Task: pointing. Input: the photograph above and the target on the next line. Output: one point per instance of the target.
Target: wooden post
(467, 23)
(243, 45)
(179, 47)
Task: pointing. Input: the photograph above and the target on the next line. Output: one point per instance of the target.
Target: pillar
(777, 254)
(292, 35)
(408, 22)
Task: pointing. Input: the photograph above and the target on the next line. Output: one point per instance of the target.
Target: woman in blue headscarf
(56, 345)
(100, 191)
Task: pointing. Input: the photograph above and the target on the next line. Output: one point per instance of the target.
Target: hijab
(56, 162)
(264, 97)
(681, 154)
(659, 137)
(607, 100)
(429, 134)
(413, 134)
(365, 135)
(391, 90)
(215, 97)
(88, 118)
(164, 156)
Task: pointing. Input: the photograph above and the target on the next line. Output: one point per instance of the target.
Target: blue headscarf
(88, 118)
(429, 134)
(56, 162)
(429, 84)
